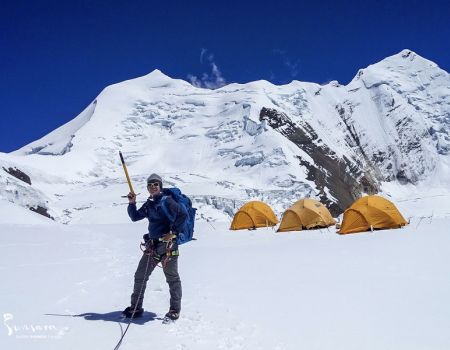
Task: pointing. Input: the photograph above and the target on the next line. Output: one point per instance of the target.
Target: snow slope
(65, 281)
(65, 285)
(390, 124)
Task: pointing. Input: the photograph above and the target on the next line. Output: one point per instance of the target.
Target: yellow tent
(306, 214)
(371, 212)
(252, 215)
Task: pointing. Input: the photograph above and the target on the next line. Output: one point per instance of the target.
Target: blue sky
(56, 56)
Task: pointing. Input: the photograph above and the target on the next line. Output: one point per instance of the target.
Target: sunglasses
(153, 184)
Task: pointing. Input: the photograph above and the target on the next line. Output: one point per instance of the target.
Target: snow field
(242, 289)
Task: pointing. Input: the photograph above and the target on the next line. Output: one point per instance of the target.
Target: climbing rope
(150, 256)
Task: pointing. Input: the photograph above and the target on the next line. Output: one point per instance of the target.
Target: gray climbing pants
(170, 269)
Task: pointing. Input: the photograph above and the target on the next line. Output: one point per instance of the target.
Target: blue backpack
(185, 203)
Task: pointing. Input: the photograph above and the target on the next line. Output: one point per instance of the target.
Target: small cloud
(292, 66)
(211, 80)
(202, 53)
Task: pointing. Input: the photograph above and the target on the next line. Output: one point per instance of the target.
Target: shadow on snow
(114, 316)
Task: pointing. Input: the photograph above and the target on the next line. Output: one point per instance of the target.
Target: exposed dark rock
(346, 118)
(18, 174)
(344, 178)
(401, 177)
(42, 211)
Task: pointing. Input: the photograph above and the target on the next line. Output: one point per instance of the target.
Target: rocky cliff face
(248, 141)
(345, 179)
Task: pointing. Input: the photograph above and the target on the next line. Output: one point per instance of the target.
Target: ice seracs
(390, 124)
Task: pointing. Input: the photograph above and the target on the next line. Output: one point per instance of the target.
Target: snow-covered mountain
(388, 127)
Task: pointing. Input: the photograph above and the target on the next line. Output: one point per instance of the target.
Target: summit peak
(157, 73)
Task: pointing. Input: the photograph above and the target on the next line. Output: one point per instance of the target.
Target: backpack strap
(145, 207)
(166, 209)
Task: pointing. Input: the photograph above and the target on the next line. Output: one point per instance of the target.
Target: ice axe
(126, 174)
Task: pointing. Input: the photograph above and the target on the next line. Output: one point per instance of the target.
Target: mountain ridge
(332, 142)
